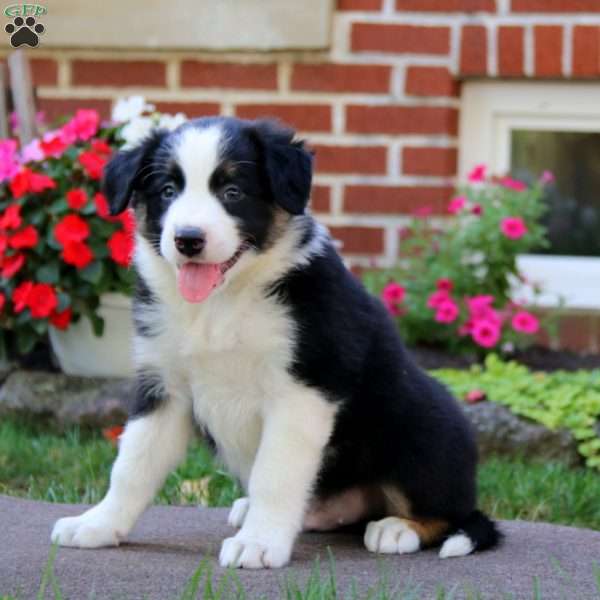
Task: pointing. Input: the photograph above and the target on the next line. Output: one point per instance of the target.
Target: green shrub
(569, 400)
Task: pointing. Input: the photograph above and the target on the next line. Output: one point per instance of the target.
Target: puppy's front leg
(150, 447)
(296, 430)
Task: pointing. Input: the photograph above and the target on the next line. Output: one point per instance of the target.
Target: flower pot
(80, 352)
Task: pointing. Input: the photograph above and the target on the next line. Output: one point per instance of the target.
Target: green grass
(39, 463)
(321, 584)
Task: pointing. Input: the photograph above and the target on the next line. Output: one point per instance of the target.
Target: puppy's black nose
(190, 241)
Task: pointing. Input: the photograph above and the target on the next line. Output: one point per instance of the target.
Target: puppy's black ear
(288, 165)
(122, 172)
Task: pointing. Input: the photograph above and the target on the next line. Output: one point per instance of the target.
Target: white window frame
(489, 111)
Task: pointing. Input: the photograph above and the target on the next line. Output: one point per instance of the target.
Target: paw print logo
(24, 32)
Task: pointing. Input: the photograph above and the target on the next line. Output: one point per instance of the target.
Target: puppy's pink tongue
(197, 281)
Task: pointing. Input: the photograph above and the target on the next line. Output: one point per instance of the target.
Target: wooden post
(4, 129)
(22, 91)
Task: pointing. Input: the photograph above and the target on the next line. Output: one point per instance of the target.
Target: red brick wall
(381, 106)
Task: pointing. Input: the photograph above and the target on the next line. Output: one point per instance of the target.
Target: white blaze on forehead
(197, 153)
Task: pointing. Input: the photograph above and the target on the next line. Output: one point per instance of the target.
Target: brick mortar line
(244, 96)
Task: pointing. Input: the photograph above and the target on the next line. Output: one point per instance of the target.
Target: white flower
(130, 108)
(171, 122)
(136, 130)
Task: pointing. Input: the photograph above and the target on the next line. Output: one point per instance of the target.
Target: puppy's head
(208, 194)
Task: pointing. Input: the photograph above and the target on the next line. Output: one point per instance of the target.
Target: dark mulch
(536, 358)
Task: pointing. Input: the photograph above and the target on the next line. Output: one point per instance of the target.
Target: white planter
(80, 352)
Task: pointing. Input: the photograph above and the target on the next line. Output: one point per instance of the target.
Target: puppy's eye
(168, 192)
(232, 193)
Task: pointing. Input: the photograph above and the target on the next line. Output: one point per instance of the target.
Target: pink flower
(525, 322)
(444, 284)
(393, 292)
(32, 152)
(457, 204)
(513, 184)
(447, 311)
(477, 174)
(477, 210)
(393, 295)
(547, 177)
(9, 165)
(437, 298)
(423, 212)
(82, 126)
(485, 333)
(513, 227)
(477, 304)
(476, 395)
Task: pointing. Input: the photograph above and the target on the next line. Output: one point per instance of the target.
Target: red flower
(19, 184)
(127, 219)
(101, 147)
(2, 301)
(77, 253)
(11, 265)
(26, 181)
(42, 300)
(3, 244)
(53, 145)
(20, 295)
(120, 245)
(112, 434)
(61, 320)
(11, 218)
(76, 198)
(101, 205)
(71, 228)
(26, 238)
(39, 182)
(92, 163)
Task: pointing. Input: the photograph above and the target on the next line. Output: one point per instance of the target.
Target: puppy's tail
(476, 532)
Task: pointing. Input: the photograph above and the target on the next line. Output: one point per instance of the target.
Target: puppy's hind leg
(401, 532)
(150, 447)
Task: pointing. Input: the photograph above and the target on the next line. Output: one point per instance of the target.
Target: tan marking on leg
(430, 531)
(396, 503)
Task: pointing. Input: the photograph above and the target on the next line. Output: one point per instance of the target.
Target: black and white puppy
(249, 325)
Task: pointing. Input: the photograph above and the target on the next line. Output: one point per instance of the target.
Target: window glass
(573, 217)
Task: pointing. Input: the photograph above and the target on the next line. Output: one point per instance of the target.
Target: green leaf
(97, 324)
(64, 301)
(40, 326)
(26, 340)
(58, 206)
(48, 273)
(93, 272)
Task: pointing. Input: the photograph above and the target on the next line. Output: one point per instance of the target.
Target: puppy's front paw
(84, 532)
(238, 512)
(247, 553)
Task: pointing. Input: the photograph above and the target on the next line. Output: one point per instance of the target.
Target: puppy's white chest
(235, 360)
